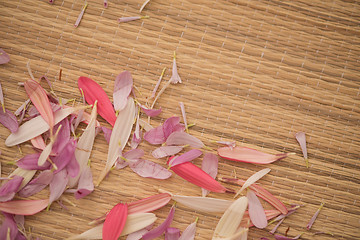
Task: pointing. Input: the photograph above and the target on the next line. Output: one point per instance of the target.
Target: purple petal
(256, 210)
(210, 166)
(160, 229)
(86, 185)
(172, 233)
(8, 189)
(63, 136)
(73, 166)
(4, 57)
(151, 112)
(136, 138)
(107, 133)
(37, 184)
(165, 151)
(155, 136)
(58, 185)
(171, 125)
(149, 169)
(134, 154)
(182, 138)
(186, 157)
(9, 120)
(65, 156)
(277, 226)
(30, 162)
(8, 223)
(312, 220)
(122, 89)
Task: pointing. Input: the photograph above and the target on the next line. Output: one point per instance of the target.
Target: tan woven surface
(253, 71)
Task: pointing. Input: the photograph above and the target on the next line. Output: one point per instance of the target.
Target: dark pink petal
(37, 184)
(86, 185)
(150, 112)
(312, 220)
(280, 237)
(134, 154)
(65, 156)
(8, 224)
(155, 135)
(115, 222)
(256, 210)
(8, 189)
(58, 185)
(122, 89)
(171, 125)
(162, 228)
(146, 168)
(183, 138)
(73, 166)
(301, 138)
(30, 162)
(210, 166)
(186, 157)
(107, 133)
(63, 136)
(9, 120)
(165, 151)
(172, 233)
(4, 58)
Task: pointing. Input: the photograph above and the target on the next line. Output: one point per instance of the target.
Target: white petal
(26, 174)
(252, 179)
(204, 204)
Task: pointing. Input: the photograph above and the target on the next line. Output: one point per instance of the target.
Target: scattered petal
(63, 136)
(182, 108)
(227, 143)
(134, 154)
(9, 229)
(166, 151)
(122, 88)
(78, 20)
(1, 93)
(58, 185)
(8, 189)
(115, 222)
(277, 226)
(106, 4)
(22, 108)
(26, 174)
(24, 207)
(144, 4)
(150, 112)
(172, 125)
(145, 125)
(155, 135)
(189, 232)
(246, 222)
(175, 78)
(146, 168)
(203, 204)
(73, 167)
(45, 154)
(156, 232)
(210, 166)
(29, 162)
(128, 19)
(301, 138)
(65, 156)
(312, 220)
(183, 138)
(136, 138)
(38, 142)
(186, 157)
(9, 120)
(253, 178)
(137, 235)
(256, 210)
(149, 204)
(86, 185)
(37, 184)
(4, 57)
(172, 233)
(158, 83)
(107, 133)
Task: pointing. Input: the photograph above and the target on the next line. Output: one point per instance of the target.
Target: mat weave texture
(255, 72)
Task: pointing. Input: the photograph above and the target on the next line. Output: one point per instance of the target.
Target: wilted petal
(8, 189)
(175, 78)
(183, 138)
(30, 162)
(186, 157)
(58, 185)
(301, 138)
(122, 89)
(189, 232)
(136, 138)
(166, 151)
(203, 204)
(65, 156)
(86, 185)
(253, 178)
(9, 120)
(244, 154)
(156, 232)
(107, 133)
(115, 222)
(172, 233)
(210, 166)
(37, 184)
(149, 204)
(4, 57)
(312, 220)
(146, 168)
(256, 210)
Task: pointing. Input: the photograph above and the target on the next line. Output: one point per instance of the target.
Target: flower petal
(210, 166)
(256, 210)
(249, 155)
(203, 204)
(134, 154)
(175, 78)
(26, 174)
(9, 229)
(158, 83)
(149, 204)
(78, 20)
(253, 178)
(183, 138)
(182, 108)
(189, 232)
(58, 185)
(107, 133)
(171, 125)
(86, 185)
(301, 138)
(166, 151)
(9, 120)
(172, 233)
(156, 232)
(312, 220)
(143, 5)
(4, 58)
(92, 92)
(149, 169)
(63, 136)
(150, 112)
(246, 222)
(155, 135)
(122, 88)
(65, 156)
(279, 237)
(38, 142)
(24, 207)
(45, 154)
(37, 184)
(8, 189)
(29, 162)
(115, 222)
(186, 157)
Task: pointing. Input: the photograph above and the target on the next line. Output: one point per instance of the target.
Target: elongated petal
(65, 156)
(277, 226)
(144, 4)
(40, 100)
(156, 232)
(30, 162)
(243, 154)
(115, 222)
(58, 185)
(62, 137)
(186, 157)
(24, 207)
(145, 125)
(26, 174)
(37, 184)
(92, 92)
(122, 89)
(227, 143)
(146, 168)
(107, 133)
(149, 204)
(36, 127)
(136, 137)
(158, 83)
(8, 189)
(151, 112)
(119, 136)
(9, 120)
(1, 92)
(73, 168)
(312, 220)
(172, 233)
(253, 178)
(137, 235)
(210, 166)
(38, 142)
(182, 108)
(175, 78)
(86, 185)
(256, 210)
(4, 57)
(8, 229)
(203, 204)
(189, 232)
(78, 20)
(45, 154)
(231, 219)
(22, 108)
(166, 151)
(182, 138)
(301, 138)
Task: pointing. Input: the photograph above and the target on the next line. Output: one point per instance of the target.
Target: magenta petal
(4, 57)
(136, 138)
(186, 157)
(8, 189)
(210, 166)
(162, 228)
(183, 138)
(64, 156)
(9, 120)
(155, 135)
(134, 154)
(171, 125)
(107, 133)
(63, 136)
(73, 166)
(8, 224)
(86, 185)
(165, 151)
(151, 112)
(256, 210)
(58, 185)
(122, 89)
(37, 184)
(30, 162)
(172, 233)
(146, 168)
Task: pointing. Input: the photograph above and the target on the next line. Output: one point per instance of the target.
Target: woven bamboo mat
(253, 71)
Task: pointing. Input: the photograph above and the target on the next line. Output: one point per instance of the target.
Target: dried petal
(210, 166)
(186, 157)
(175, 78)
(256, 210)
(29, 162)
(203, 204)
(144, 4)
(8, 189)
(37, 184)
(92, 92)
(312, 220)
(172, 233)
(249, 155)
(78, 20)
(73, 167)
(149, 204)
(189, 232)
(122, 88)
(166, 151)
(58, 185)
(253, 178)
(86, 185)
(115, 222)
(182, 138)
(24, 207)
(146, 168)
(9, 120)
(4, 58)
(136, 138)
(301, 138)
(134, 154)
(156, 232)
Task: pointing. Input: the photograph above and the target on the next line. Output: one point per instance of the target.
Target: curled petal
(38, 142)
(145, 125)
(210, 166)
(4, 57)
(301, 138)
(158, 83)
(115, 222)
(162, 228)
(144, 4)
(166, 151)
(253, 178)
(122, 89)
(256, 210)
(9, 120)
(186, 157)
(78, 20)
(146, 168)
(182, 108)
(182, 138)
(24, 207)
(62, 137)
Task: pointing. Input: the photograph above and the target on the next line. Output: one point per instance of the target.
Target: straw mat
(255, 72)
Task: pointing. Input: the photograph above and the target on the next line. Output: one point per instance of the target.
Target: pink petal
(86, 185)
(150, 112)
(301, 138)
(2, 95)
(38, 142)
(162, 228)
(64, 156)
(22, 108)
(171, 125)
(210, 166)
(172, 233)
(165, 151)
(106, 4)
(73, 166)
(8, 189)
(37, 184)
(78, 20)
(253, 178)
(312, 220)
(63, 136)
(256, 210)
(244, 154)
(128, 19)
(24, 207)
(269, 215)
(277, 226)
(189, 232)
(30, 162)
(136, 138)
(9, 224)
(160, 134)
(182, 108)
(149, 204)
(228, 143)
(175, 78)
(58, 185)
(137, 235)
(279, 237)
(134, 154)
(4, 58)
(182, 138)
(158, 83)
(146, 168)
(155, 135)
(122, 89)
(9, 120)
(107, 133)
(115, 222)
(186, 157)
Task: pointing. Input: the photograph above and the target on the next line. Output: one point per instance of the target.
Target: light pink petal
(22, 108)
(107, 133)
(158, 83)
(150, 112)
(253, 178)
(301, 138)
(128, 19)
(78, 20)
(136, 138)
(312, 220)
(86, 185)
(58, 185)
(134, 154)
(122, 89)
(146, 168)
(182, 108)
(256, 210)
(9, 120)
(186, 157)
(277, 226)
(189, 232)
(171, 125)
(210, 166)
(149, 204)
(175, 78)
(172, 233)
(38, 142)
(8, 224)
(64, 156)
(30, 162)
(120, 164)
(155, 136)
(4, 57)
(165, 151)
(8, 189)
(137, 235)
(73, 166)
(182, 138)
(162, 228)
(37, 184)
